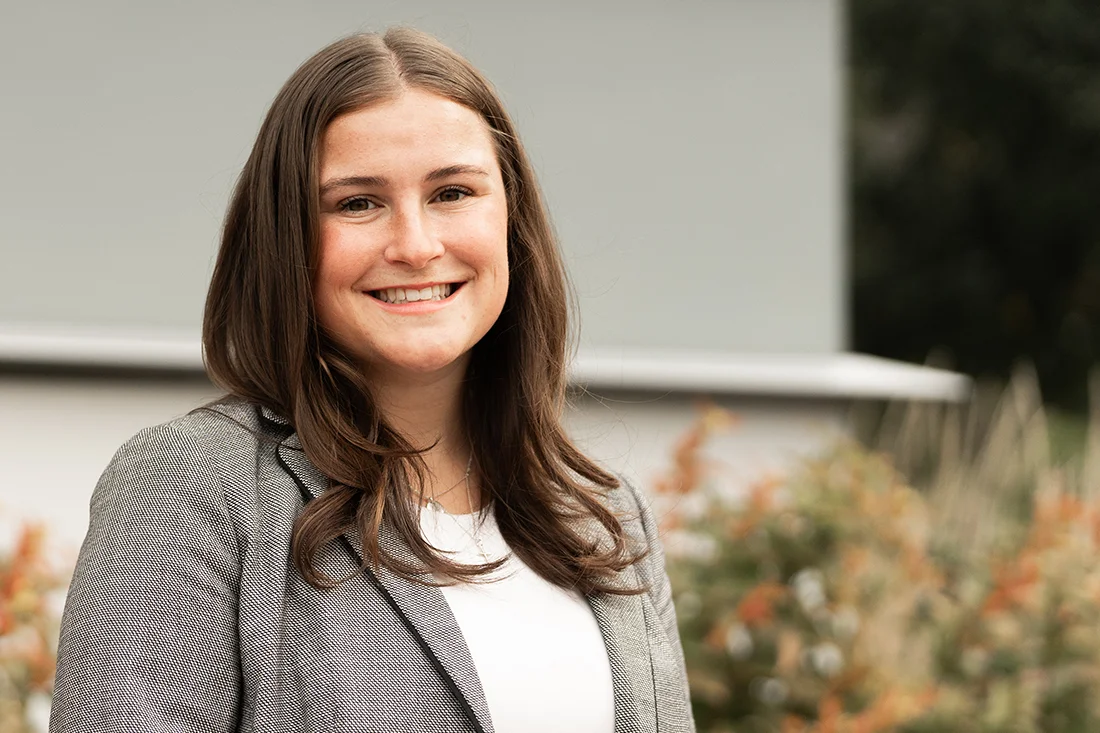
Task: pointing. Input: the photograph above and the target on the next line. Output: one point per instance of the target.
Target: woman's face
(413, 234)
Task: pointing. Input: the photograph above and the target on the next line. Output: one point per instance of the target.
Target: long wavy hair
(263, 342)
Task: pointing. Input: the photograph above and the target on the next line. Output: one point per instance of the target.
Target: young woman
(383, 527)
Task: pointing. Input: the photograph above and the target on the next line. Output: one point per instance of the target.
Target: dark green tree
(974, 178)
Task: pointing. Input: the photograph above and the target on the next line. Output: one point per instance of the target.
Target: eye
(453, 194)
(356, 205)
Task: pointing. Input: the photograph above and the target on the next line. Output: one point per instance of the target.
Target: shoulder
(205, 436)
(194, 463)
(633, 508)
(152, 603)
(640, 524)
(226, 422)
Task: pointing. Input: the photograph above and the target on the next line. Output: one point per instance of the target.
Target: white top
(537, 648)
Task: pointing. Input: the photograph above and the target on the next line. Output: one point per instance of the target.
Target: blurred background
(821, 219)
(973, 159)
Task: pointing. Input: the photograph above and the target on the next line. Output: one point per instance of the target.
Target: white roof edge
(830, 376)
(50, 345)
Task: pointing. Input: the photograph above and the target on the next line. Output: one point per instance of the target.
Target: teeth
(408, 295)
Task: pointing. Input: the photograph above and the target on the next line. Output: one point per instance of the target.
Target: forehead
(415, 130)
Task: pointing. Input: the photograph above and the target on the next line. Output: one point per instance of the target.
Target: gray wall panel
(690, 152)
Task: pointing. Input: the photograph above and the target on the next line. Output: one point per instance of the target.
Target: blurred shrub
(28, 632)
(848, 599)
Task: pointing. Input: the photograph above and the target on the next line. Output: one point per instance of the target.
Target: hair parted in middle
(263, 342)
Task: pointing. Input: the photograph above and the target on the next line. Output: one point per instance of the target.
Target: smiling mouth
(397, 296)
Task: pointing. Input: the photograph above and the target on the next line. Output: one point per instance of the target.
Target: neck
(426, 409)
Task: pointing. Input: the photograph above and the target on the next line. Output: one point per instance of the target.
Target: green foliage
(974, 172)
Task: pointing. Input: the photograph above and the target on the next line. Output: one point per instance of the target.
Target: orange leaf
(1012, 585)
(829, 711)
(792, 724)
(757, 608)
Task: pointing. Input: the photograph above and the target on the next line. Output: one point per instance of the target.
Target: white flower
(55, 601)
(769, 690)
(739, 642)
(846, 622)
(38, 712)
(826, 659)
(809, 588)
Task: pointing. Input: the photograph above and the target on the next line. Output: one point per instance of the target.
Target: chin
(425, 363)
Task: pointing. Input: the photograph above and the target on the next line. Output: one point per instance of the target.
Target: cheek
(501, 268)
(496, 264)
(336, 274)
(494, 236)
(338, 259)
(502, 274)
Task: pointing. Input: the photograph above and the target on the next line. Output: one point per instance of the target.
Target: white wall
(690, 151)
(636, 434)
(58, 434)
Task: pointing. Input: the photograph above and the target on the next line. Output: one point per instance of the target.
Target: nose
(412, 241)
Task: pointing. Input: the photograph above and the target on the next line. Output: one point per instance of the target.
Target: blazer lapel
(622, 622)
(428, 614)
(624, 634)
(422, 608)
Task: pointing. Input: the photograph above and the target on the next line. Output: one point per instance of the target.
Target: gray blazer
(185, 613)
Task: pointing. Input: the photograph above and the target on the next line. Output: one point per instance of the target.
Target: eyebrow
(380, 181)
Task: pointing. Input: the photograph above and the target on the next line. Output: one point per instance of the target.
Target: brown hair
(263, 342)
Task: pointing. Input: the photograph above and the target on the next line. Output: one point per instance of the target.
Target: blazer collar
(425, 610)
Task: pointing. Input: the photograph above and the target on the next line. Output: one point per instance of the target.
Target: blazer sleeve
(149, 632)
(654, 574)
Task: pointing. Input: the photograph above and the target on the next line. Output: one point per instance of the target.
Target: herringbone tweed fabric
(185, 613)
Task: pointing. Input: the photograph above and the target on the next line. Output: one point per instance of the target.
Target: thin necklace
(432, 502)
(476, 536)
